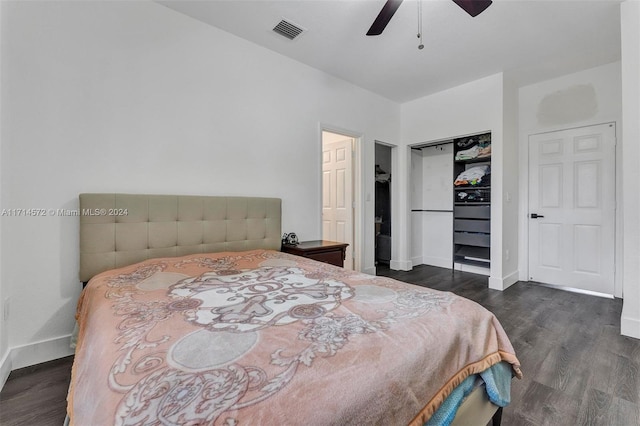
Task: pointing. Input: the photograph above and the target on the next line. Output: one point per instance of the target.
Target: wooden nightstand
(323, 251)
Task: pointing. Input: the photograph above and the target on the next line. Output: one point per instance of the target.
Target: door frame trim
(524, 204)
(358, 210)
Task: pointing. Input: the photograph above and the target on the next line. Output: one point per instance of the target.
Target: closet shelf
(473, 262)
(463, 252)
(473, 160)
(466, 188)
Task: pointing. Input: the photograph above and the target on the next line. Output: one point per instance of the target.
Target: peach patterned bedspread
(263, 337)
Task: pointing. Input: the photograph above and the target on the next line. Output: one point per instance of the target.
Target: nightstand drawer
(332, 257)
(323, 251)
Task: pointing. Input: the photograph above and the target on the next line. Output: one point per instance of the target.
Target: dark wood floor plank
(623, 413)
(616, 375)
(596, 410)
(36, 395)
(543, 405)
(627, 384)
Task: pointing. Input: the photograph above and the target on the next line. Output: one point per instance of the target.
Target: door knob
(535, 216)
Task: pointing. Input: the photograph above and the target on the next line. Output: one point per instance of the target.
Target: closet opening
(383, 204)
(450, 200)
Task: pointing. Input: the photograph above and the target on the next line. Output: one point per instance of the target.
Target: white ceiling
(531, 40)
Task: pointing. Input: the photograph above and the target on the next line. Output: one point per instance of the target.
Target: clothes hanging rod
(434, 144)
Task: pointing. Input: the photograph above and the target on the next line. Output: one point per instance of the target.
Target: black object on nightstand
(324, 251)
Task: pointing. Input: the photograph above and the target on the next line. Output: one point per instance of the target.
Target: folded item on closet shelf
(472, 176)
(476, 151)
(485, 152)
(471, 195)
(468, 154)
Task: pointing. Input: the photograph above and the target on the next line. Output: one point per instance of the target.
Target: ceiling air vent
(288, 30)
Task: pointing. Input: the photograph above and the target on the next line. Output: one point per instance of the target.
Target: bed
(192, 315)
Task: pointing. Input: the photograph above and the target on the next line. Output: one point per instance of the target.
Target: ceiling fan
(472, 7)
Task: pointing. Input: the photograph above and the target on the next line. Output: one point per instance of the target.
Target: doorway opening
(338, 191)
(383, 203)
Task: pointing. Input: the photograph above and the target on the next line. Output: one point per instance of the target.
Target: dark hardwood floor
(36, 395)
(578, 369)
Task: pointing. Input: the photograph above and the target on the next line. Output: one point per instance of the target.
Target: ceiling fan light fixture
(472, 7)
(383, 18)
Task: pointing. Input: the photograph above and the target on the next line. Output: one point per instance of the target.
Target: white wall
(5, 365)
(134, 97)
(463, 110)
(509, 183)
(599, 87)
(630, 20)
(474, 107)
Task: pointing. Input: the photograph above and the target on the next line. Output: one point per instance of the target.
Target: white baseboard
(441, 262)
(401, 265)
(5, 368)
(629, 326)
(32, 354)
(415, 261)
(505, 282)
(43, 351)
(471, 268)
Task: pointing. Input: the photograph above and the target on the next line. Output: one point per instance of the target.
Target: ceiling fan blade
(384, 17)
(473, 7)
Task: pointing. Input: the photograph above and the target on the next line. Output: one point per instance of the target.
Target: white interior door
(572, 193)
(337, 195)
